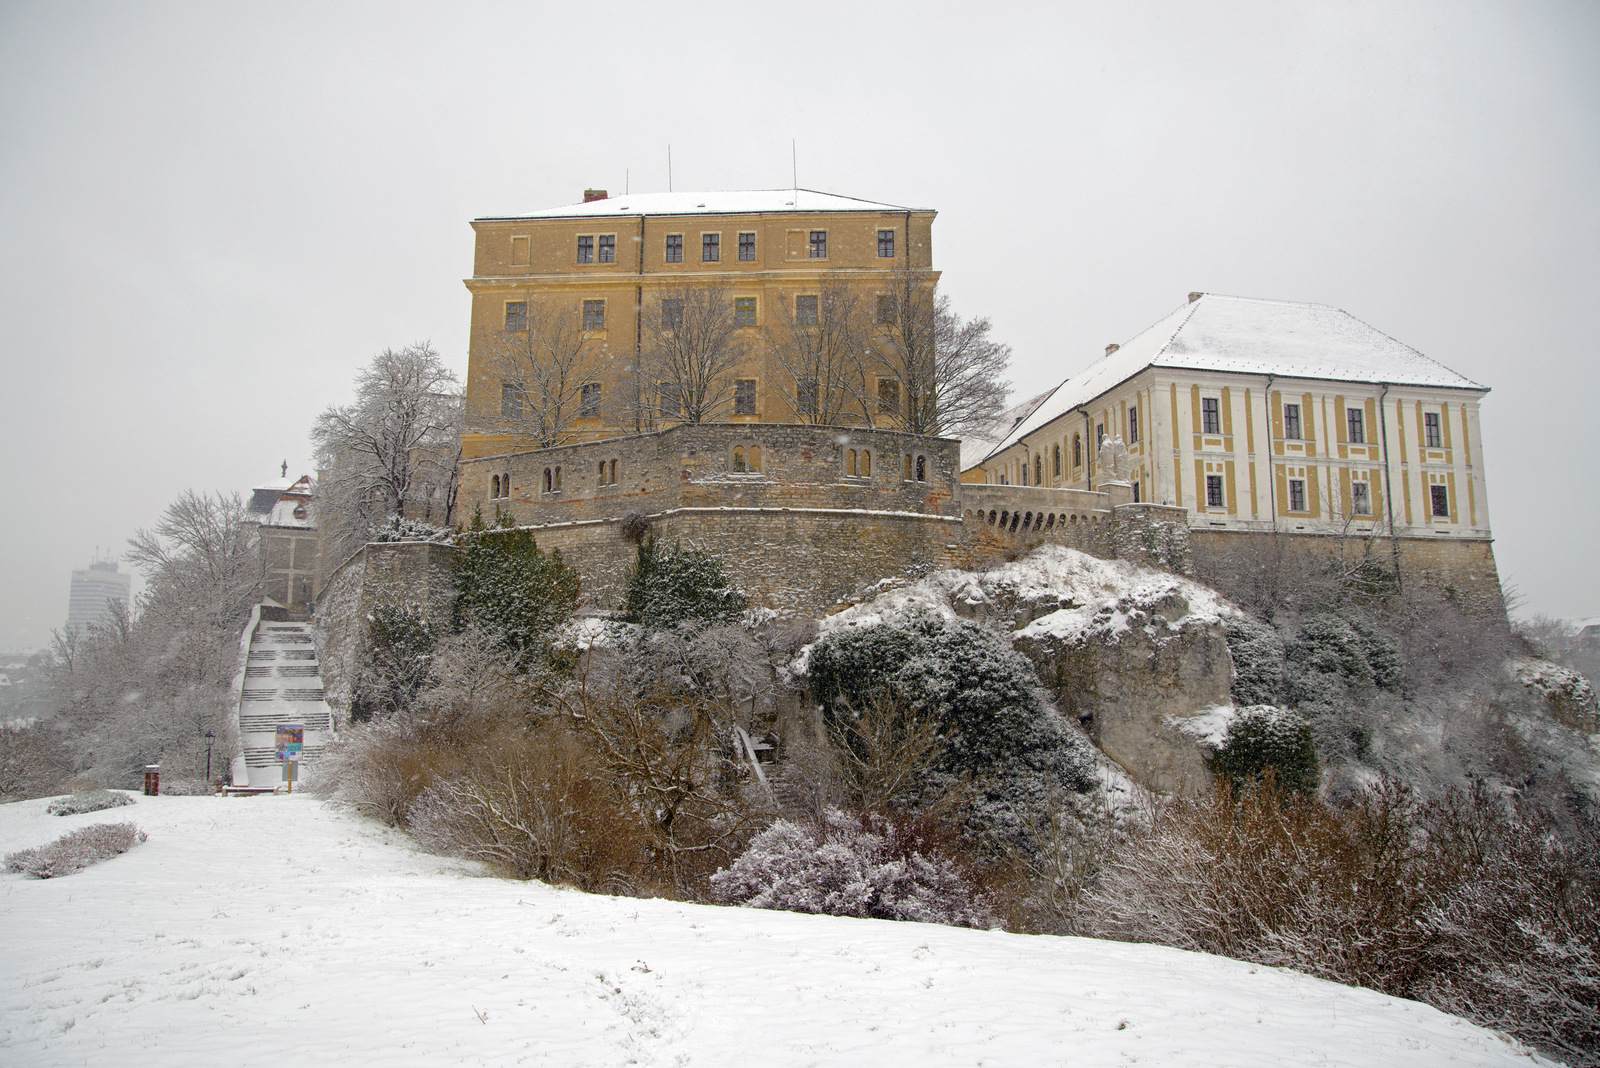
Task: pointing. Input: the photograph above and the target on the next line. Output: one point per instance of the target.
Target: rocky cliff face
(1132, 653)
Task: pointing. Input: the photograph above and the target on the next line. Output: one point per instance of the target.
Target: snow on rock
(1569, 696)
(1209, 727)
(1130, 651)
(255, 931)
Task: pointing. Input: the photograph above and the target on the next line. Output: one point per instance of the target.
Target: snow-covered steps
(281, 687)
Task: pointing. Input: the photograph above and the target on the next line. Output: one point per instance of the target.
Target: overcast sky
(211, 215)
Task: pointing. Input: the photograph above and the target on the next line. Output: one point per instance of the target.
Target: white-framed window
(1297, 495)
(1355, 426)
(1214, 498)
(1291, 423)
(1360, 498)
(1432, 432)
(1439, 501)
(1210, 415)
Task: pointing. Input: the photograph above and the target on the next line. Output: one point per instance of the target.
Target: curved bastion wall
(801, 516)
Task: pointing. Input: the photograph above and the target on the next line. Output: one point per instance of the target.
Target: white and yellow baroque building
(1255, 415)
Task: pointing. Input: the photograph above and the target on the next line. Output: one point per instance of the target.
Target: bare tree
(690, 350)
(820, 343)
(394, 450)
(951, 372)
(543, 370)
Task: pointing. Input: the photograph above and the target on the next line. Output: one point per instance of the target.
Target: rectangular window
(670, 406)
(710, 248)
(744, 311)
(805, 311)
(1213, 491)
(819, 244)
(511, 400)
(747, 247)
(1099, 434)
(1360, 498)
(586, 249)
(1297, 495)
(1356, 426)
(888, 309)
(1210, 415)
(1291, 421)
(1440, 498)
(744, 396)
(886, 244)
(1133, 425)
(1430, 430)
(594, 315)
(674, 248)
(589, 401)
(608, 248)
(516, 315)
(888, 396)
(805, 396)
(672, 313)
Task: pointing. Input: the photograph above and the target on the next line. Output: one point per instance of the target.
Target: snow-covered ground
(272, 930)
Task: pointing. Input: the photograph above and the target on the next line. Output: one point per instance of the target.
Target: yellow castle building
(623, 315)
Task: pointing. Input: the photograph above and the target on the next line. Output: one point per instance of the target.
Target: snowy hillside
(273, 930)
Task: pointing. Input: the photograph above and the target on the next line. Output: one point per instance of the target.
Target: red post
(152, 780)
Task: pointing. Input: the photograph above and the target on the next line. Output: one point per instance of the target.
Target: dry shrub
(87, 801)
(535, 804)
(76, 850)
(1469, 902)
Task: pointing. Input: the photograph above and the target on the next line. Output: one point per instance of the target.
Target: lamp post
(209, 737)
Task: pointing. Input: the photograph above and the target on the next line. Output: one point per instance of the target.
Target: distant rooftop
(1250, 335)
(727, 202)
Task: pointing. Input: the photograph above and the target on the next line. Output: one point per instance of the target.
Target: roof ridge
(1412, 349)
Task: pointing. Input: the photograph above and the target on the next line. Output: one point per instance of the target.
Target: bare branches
(543, 370)
(820, 343)
(393, 450)
(691, 347)
(952, 373)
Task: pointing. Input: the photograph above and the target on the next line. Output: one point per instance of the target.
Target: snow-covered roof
(1250, 335)
(290, 512)
(727, 202)
(978, 444)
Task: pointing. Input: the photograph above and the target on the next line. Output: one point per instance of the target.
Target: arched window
(922, 469)
(738, 459)
(754, 461)
(1050, 521)
(1073, 519)
(1027, 521)
(866, 463)
(1038, 470)
(1058, 461)
(1014, 517)
(908, 467)
(1004, 515)
(850, 462)
(558, 480)
(547, 483)
(1077, 451)
(991, 517)
(1023, 471)
(602, 472)
(613, 472)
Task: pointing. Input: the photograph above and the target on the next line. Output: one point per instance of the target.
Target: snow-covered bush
(511, 591)
(88, 801)
(1258, 661)
(394, 661)
(983, 694)
(1468, 901)
(669, 586)
(1569, 694)
(75, 850)
(404, 528)
(34, 761)
(870, 868)
(1261, 737)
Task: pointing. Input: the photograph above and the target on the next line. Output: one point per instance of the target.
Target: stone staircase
(282, 687)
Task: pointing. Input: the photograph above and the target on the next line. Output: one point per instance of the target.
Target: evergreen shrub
(1263, 738)
(672, 586)
(1258, 661)
(511, 591)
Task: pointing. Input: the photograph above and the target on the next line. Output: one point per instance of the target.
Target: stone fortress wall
(801, 515)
